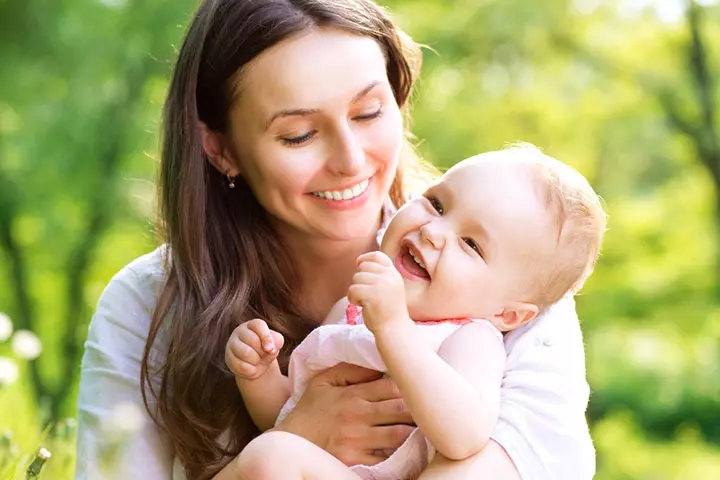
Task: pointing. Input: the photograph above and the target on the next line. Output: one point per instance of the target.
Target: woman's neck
(325, 268)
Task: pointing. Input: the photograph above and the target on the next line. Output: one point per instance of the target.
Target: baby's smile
(410, 264)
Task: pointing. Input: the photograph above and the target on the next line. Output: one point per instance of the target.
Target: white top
(544, 394)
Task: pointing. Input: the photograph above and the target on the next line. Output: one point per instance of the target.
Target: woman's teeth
(347, 194)
(416, 258)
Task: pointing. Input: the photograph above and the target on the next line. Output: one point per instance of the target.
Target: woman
(283, 157)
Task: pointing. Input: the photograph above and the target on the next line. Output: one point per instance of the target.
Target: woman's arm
(110, 384)
(453, 395)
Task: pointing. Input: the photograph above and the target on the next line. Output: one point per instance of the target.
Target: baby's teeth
(416, 258)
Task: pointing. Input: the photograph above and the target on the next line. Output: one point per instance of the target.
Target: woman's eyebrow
(366, 90)
(302, 112)
(299, 112)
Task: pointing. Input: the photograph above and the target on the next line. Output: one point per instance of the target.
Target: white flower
(8, 372)
(126, 418)
(44, 454)
(6, 327)
(26, 345)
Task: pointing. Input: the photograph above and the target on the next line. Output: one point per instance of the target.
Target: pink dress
(351, 342)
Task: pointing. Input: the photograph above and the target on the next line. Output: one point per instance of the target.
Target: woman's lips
(361, 192)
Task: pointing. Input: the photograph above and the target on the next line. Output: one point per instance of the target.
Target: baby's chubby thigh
(276, 455)
(269, 455)
(491, 463)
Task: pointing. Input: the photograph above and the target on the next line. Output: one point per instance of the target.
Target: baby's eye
(436, 205)
(473, 244)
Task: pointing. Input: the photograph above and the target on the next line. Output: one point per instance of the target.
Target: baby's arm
(251, 354)
(453, 395)
(265, 396)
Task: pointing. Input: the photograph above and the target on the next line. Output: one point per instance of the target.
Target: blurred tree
(691, 109)
(71, 117)
(624, 90)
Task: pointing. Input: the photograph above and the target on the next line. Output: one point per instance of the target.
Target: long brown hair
(225, 262)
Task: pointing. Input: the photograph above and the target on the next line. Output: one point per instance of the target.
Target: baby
(498, 239)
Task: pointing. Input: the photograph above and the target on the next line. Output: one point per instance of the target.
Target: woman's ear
(217, 153)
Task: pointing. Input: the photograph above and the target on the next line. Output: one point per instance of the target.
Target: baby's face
(465, 247)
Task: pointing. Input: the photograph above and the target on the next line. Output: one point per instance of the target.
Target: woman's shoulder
(558, 324)
(150, 267)
(553, 339)
(131, 296)
(144, 276)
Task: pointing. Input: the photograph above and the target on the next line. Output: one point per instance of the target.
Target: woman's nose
(348, 157)
(432, 233)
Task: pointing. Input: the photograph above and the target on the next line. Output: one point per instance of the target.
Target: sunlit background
(627, 91)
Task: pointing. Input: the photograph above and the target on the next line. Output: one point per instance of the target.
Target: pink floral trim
(352, 316)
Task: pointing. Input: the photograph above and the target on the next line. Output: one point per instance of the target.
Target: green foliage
(610, 87)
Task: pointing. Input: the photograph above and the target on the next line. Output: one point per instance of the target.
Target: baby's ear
(516, 314)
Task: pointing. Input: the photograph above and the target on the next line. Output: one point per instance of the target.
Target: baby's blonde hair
(578, 215)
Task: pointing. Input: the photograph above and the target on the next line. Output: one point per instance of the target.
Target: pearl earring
(231, 181)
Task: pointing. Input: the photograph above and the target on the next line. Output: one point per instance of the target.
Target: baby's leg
(284, 456)
(491, 463)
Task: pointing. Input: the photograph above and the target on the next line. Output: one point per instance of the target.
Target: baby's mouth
(413, 263)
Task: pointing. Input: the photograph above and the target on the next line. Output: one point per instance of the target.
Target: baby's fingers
(377, 258)
(265, 335)
(245, 349)
(364, 278)
(246, 370)
(357, 294)
(278, 339)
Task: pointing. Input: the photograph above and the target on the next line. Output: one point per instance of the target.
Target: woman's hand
(352, 413)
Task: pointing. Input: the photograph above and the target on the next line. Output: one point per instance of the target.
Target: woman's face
(316, 133)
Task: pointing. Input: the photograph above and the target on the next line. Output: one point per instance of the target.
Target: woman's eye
(370, 116)
(436, 205)
(473, 244)
(294, 141)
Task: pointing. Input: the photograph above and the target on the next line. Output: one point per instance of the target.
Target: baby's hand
(379, 289)
(252, 349)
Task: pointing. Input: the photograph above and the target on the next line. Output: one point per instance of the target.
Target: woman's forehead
(312, 70)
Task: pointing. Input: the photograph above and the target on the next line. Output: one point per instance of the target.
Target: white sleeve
(114, 428)
(544, 396)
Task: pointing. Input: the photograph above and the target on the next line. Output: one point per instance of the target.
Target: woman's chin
(353, 225)
(351, 233)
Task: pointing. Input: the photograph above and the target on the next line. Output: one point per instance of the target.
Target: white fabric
(542, 416)
(330, 345)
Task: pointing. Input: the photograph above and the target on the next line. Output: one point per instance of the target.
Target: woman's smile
(348, 198)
